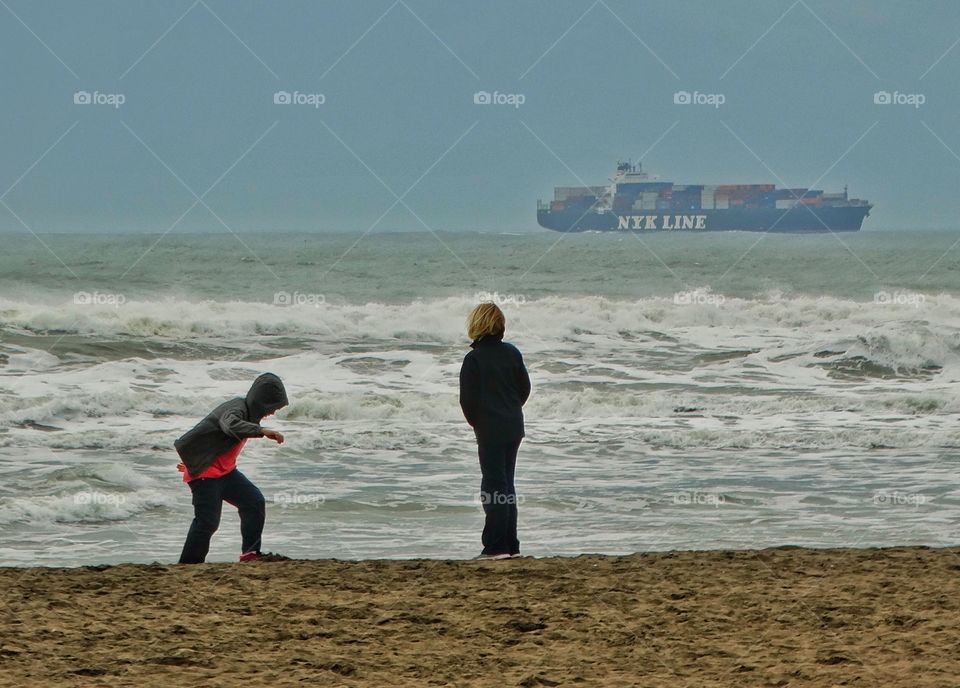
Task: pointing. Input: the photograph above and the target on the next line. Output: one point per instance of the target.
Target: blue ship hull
(800, 218)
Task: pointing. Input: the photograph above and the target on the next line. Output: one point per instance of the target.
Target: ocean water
(690, 391)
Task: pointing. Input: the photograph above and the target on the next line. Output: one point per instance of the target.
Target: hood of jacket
(267, 394)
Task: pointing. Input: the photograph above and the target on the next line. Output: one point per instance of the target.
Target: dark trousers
(498, 463)
(209, 494)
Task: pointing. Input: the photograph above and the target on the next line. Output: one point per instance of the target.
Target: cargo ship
(636, 201)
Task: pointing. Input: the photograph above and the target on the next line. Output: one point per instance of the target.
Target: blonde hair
(486, 319)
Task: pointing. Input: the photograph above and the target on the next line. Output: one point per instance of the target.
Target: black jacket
(494, 386)
(229, 423)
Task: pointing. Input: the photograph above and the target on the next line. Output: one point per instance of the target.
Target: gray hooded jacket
(230, 423)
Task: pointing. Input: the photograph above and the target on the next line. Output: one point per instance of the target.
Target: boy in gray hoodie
(209, 453)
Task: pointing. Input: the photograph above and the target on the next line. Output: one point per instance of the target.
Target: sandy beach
(776, 617)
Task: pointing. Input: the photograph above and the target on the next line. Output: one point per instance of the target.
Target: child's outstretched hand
(273, 435)
(181, 468)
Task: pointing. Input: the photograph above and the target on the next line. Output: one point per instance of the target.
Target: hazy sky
(398, 80)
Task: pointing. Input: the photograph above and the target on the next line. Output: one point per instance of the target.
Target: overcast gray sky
(198, 139)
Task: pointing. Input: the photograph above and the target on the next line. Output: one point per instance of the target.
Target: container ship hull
(801, 219)
(635, 201)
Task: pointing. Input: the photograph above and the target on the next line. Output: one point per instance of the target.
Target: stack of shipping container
(666, 196)
(575, 197)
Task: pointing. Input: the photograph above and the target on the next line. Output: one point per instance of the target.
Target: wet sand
(779, 617)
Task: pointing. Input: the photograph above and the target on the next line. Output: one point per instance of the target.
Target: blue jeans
(209, 494)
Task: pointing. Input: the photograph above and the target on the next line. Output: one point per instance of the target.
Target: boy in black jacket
(494, 386)
(209, 453)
